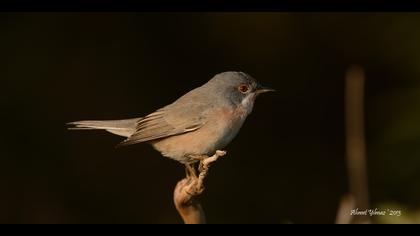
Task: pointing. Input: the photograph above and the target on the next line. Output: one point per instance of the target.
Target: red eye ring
(243, 88)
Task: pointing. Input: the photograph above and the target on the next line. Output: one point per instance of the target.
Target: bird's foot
(204, 167)
(206, 160)
(196, 181)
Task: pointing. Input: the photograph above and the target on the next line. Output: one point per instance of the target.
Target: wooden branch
(355, 141)
(347, 204)
(190, 188)
(185, 199)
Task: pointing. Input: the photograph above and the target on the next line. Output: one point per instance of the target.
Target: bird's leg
(196, 182)
(190, 171)
(200, 167)
(187, 171)
(205, 166)
(200, 158)
(203, 159)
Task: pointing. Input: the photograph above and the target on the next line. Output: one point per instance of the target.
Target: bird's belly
(213, 136)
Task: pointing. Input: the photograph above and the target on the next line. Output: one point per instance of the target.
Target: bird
(196, 125)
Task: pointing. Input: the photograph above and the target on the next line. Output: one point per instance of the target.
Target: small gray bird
(193, 127)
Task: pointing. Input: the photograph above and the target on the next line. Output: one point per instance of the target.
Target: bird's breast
(227, 125)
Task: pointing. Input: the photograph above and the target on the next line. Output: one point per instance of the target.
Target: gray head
(238, 87)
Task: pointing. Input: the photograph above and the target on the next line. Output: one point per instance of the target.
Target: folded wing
(168, 121)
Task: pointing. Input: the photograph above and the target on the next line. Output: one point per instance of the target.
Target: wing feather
(168, 121)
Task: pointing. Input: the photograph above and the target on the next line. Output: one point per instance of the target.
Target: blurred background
(287, 165)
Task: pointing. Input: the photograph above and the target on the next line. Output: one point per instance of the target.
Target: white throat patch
(248, 103)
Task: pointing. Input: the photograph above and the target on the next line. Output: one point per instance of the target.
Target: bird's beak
(262, 89)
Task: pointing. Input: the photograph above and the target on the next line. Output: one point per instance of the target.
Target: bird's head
(238, 88)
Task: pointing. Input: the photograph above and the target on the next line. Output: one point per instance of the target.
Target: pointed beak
(263, 89)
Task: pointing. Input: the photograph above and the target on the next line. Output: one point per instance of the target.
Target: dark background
(287, 165)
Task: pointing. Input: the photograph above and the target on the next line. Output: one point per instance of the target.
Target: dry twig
(355, 148)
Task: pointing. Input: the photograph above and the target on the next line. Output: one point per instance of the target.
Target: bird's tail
(123, 128)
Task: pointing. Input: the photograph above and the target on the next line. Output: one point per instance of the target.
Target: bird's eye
(243, 88)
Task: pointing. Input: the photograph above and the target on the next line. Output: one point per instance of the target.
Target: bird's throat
(247, 104)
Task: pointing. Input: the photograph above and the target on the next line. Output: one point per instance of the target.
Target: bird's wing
(171, 120)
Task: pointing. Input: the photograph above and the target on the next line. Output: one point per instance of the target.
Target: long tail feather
(123, 128)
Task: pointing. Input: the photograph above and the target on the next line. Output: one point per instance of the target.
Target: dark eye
(243, 88)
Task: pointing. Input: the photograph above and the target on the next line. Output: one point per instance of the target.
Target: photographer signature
(375, 212)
